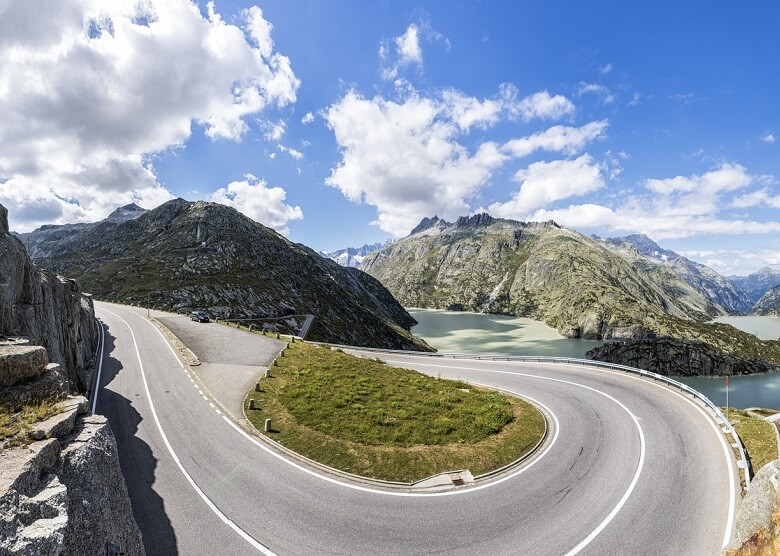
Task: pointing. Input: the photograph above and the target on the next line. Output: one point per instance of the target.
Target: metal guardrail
(742, 463)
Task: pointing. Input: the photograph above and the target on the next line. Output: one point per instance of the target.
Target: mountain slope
(573, 282)
(185, 255)
(719, 289)
(769, 304)
(755, 285)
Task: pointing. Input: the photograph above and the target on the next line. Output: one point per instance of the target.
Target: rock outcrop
(65, 494)
(48, 309)
(758, 521)
(666, 356)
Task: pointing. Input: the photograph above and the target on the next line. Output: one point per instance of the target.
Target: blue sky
(343, 123)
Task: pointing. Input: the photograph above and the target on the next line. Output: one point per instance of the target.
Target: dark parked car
(199, 316)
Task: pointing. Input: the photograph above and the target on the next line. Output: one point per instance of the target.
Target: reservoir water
(458, 332)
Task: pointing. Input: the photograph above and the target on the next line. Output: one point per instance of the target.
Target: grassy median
(365, 417)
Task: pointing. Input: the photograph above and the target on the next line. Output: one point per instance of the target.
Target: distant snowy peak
(758, 283)
(701, 277)
(353, 256)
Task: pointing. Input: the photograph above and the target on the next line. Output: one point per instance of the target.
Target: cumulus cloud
(567, 140)
(543, 183)
(264, 204)
(604, 70)
(90, 91)
(543, 106)
(768, 138)
(272, 131)
(678, 207)
(307, 118)
(727, 177)
(405, 159)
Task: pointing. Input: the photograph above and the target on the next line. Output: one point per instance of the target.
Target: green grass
(14, 423)
(371, 419)
(757, 435)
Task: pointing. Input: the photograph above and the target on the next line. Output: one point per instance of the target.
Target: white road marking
(225, 519)
(727, 453)
(100, 367)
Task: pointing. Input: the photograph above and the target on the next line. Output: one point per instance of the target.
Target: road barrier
(742, 463)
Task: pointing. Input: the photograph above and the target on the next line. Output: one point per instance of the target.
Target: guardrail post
(267, 426)
(252, 404)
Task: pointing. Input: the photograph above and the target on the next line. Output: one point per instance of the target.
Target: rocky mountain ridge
(756, 284)
(702, 278)
(196, 255)
(769, 304)
(47, 240)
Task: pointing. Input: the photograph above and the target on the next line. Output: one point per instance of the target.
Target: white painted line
(727, 453)
(642, 448)
(100, 367)
(212, 405)
(205, 398)
(225, 519)
(200, 392)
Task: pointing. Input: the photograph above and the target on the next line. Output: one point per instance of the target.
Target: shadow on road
(136, 460)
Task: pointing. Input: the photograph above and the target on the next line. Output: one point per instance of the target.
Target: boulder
(21, 363)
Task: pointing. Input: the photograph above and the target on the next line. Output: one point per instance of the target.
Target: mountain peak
(125, 213)
(424, 224)
(475, 221)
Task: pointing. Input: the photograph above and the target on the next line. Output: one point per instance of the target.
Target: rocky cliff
(769, 304)
(64, 493)
(672, 357)
(758, 520)
(61, 489)
(197, 255)
(48, 309)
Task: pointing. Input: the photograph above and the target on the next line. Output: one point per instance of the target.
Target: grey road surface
(635, 468)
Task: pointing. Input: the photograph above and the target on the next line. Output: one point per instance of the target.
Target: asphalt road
(634, 468)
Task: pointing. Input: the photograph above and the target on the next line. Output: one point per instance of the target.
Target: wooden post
(267, 427)
(252, 404)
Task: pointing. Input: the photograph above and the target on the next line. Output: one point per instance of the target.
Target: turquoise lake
(458, 332)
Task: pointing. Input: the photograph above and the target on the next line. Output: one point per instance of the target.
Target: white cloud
(263, 204)
(404, 158)
(635, 98)
(736, 261)
(272, 131)
(543, 106)
(297, 155)
(543, 183)
(601, 91)
(760, 198)
(85, 109)
(307, 118)
(726, 178)
(567, 140)
(408, 51)
(604, 70)
(468, 111)
(768, 138)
